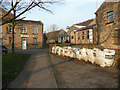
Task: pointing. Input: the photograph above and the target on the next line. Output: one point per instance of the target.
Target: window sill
(34, 44)
(24, 33)
(109, 22)
(35, 33)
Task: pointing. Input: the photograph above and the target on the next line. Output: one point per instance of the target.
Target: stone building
(108, 25)
(63, 36)
(75, 27)
(27, 34)
(52, 37)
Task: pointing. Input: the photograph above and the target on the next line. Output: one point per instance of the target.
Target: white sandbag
(84, 55)
(59, 51)
(53, 50)
(66, 52)
(74, 52)
(63, 51)
(91, 58)
(109, 56)
(78, 54)
(56, 49)
(71, 52)
(99, 59)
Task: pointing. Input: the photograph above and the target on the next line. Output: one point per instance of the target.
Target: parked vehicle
(4, 49)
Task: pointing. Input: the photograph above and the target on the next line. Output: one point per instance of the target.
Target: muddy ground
(72, 73)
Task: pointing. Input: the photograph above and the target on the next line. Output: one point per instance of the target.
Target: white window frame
(91, 35)
(110, 16)
(10, 28)
(23, 29)
(10, 41)
(35, 29)
(35, 42)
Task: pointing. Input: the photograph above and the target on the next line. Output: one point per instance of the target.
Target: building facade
(27, 34)
(63, 36)
(77, 27)
(108, 25)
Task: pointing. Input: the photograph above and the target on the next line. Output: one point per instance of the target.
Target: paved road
(37, 73)
(70, 73)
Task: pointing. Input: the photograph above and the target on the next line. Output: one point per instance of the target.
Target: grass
(12, 64)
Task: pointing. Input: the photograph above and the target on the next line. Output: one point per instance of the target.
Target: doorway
(24, 43)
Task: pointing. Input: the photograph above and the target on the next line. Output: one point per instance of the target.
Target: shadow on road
(49, 66)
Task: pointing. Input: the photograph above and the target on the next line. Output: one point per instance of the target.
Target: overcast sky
(66, 13)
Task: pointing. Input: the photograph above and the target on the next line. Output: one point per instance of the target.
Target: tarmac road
(37, 72)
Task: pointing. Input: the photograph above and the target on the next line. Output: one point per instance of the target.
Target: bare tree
(21, 7)
(16, 8)
(52, 28)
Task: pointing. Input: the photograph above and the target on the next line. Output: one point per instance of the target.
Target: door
(24, 43)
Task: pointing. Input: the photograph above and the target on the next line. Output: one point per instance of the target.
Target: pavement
(37, 72)
(64, 73)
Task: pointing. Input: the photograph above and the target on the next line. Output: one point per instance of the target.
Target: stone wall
(108, 31)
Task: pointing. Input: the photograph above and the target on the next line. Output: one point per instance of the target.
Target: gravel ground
(72, 73)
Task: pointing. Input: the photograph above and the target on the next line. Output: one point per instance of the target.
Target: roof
(85, 23)
(4, 12)
(52, 35)
(104, 4)
(79, 26)
(29, 21)
(87, 27)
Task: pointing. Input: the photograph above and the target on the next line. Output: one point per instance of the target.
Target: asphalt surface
(37, 72)
(64, 73)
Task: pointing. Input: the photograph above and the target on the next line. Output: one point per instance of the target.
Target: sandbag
(84, 55)
(91, 58)
(78, 54)
(109, 56)
(74, 52)
(99, 59)
(53, 50)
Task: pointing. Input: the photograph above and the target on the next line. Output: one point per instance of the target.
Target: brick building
(28, 34)
(63, 36)
(76, 27)
(86, 35)
(108, 25)
(52, 37)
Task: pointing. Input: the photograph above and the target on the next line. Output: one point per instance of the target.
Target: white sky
(66, 13)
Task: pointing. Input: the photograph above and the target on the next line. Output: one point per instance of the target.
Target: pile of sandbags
(97, 56)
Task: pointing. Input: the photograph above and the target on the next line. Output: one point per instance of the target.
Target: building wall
(71, 33)
(109, 32)
(18, 35)
(80, 40)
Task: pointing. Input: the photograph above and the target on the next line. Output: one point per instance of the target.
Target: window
(34, 40)
(88, 34)
(0, 29)
(110, 16)
(35, 30)
(83, 36)
(10, 41)
(78, 36)
(23, 29)
(10, 28)
(72, 37)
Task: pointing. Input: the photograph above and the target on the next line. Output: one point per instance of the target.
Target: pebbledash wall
(28, 34)
(108, 25)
